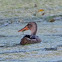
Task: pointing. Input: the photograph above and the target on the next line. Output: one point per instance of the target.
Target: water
(50, 49)
(15, 16)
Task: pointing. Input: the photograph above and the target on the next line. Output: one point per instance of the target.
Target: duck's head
(32, 26)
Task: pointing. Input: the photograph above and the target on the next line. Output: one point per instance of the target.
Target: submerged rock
(51, 20)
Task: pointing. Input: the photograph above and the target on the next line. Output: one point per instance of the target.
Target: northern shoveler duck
(30, 39)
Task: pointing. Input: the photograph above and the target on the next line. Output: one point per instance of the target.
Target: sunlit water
(14, 15)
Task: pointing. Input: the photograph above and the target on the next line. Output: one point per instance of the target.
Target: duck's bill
(24, 29)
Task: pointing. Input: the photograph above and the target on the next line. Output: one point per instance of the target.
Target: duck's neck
(34, 30)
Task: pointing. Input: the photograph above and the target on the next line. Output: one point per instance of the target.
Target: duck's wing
(26, 40)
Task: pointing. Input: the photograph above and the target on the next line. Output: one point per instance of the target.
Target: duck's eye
(29, 25)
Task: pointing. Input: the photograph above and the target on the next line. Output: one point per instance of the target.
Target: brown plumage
(30, 39)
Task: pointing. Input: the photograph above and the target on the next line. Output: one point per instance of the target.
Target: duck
(30, 39)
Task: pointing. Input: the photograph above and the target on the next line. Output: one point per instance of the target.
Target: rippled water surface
(50, 49)
(15, 16)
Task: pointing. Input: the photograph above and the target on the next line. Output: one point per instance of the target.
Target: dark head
(32, 26)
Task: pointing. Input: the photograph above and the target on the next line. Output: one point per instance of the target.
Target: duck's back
(27, 39)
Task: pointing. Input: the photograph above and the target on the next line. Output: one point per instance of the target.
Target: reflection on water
(50, 49)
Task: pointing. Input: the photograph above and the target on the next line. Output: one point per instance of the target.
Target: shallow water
(14, 16)
(50, 49)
